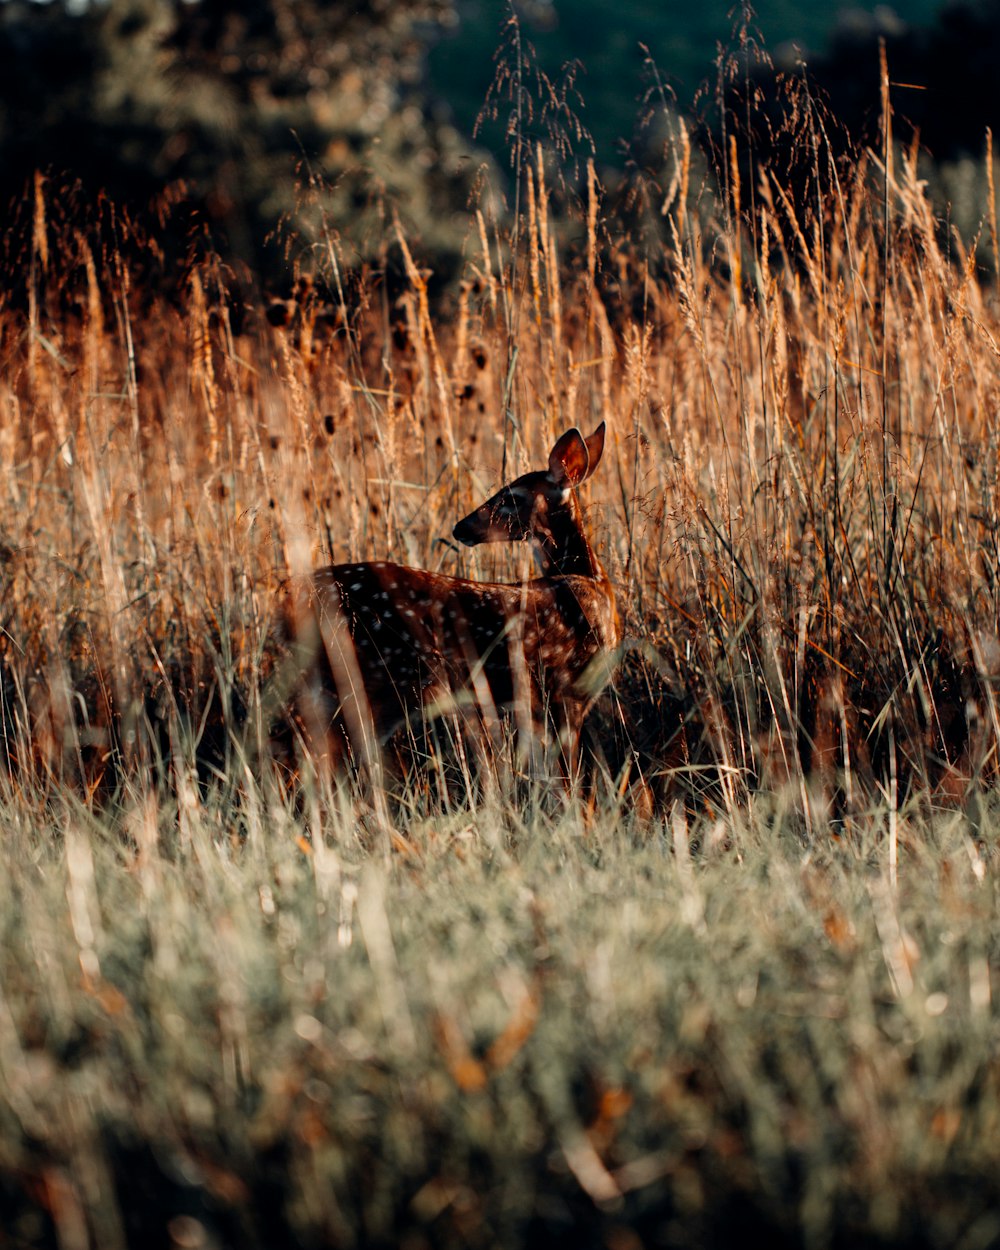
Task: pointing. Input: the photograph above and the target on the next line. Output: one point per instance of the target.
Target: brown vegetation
(800, 513)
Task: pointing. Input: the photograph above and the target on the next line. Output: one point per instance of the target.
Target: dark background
(683, 39)
(262, 125)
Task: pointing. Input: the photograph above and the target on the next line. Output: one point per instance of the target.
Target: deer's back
(412, 630)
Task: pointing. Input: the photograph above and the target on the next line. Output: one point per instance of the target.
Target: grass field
(741, 985)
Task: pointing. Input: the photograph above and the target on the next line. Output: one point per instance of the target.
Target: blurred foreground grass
(509, 1032)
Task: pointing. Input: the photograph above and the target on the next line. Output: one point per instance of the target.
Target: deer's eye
(510, 503)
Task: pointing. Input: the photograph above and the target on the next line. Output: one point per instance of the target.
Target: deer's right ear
(569, 459)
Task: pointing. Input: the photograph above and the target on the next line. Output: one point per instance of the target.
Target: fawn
(400, 646)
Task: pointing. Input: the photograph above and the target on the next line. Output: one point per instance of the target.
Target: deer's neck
(562, 546)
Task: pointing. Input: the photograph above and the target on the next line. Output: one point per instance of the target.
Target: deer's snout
(487, 524)
(470, 529)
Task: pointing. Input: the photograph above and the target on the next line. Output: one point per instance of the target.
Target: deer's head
(538, 505)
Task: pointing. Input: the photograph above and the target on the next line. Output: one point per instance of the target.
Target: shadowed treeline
(213, 116)
(208, 118)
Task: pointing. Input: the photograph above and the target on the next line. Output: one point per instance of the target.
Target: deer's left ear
(595, 449)
(569, 459)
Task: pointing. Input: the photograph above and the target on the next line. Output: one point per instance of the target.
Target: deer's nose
(467, 531)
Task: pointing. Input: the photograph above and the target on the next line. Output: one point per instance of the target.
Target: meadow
(741, 981)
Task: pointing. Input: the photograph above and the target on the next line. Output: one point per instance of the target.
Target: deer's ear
(595, 448)
(569, 460)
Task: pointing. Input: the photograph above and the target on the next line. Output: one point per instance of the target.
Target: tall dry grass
(799, 508)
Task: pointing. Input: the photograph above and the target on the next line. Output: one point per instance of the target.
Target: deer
(400, 646)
